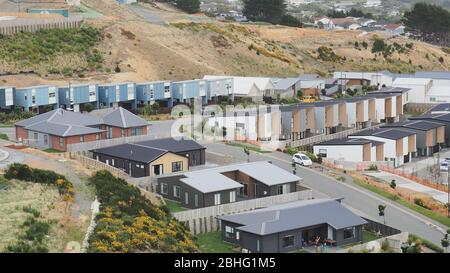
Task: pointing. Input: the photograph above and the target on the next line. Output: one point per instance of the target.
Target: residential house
(225, 184)
(360, 112)
(351, 150)
(151, 92)
(139, 160)
(292, 226)
(76, 97)
(429, 135)
(36, 98)
(419, 88)
(297, 121)
(186, 91)
(326, 116)
(58, 128)
(402, 97)
(385, 107)
(394, 29)
(117, 95)
(184, 147)
(443, 118)
(399, 145)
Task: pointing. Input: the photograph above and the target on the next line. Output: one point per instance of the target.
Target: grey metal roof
(123, 118)
(210, 182)
(349, 141)
(64, 123)
(441, 75)
(133, 152)
(442, 107)
(434, 117)
(422, 125)
(284, 83)
(295, 215)
(390, 90)
(388, 133)
(263, 171)
(173, 145)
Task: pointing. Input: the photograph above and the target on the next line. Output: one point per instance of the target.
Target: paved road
(355, 197)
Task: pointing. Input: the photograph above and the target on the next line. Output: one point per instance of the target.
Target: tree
(290, 21)
(294, 168)
(270, 11)
(247, 152)
(393, 185)
(190, 6)
(381, 209)
(89, 107)
(445, 241)
(378, 46)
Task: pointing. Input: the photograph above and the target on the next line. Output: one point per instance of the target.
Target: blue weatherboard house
(36, 98)
(115, 95)
(6, 97)
(76, 97)
(185, 91)
(149, 92)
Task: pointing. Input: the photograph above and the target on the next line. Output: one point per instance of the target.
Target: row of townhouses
(131, 95)
(298, 121)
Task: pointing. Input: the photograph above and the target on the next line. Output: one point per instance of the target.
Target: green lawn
(248, 146)
(4, 136)
(52, 151)
(174, 206)
(426, 212)
(212, 242)
(369, 236)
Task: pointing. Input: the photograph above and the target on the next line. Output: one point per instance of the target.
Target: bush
(420, 203)
(291, 151)
(291, 21)
(24, 172)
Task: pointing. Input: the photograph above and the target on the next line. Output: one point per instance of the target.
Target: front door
(158, 169)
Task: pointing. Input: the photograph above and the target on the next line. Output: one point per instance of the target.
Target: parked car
(444, 167)
(301, 159)
(447, 159)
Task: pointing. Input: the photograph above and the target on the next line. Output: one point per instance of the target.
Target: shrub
(31, 210)
(291, 21)
(373, 167)
(420, 203)
(379, 46)
(290, 151)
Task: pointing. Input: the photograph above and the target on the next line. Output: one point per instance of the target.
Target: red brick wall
(70, 140)
(21, 133)
(117, 132)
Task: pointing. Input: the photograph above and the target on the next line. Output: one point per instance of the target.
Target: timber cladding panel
(167, 159)
(367, 151)
(380, 152)
(310, 123)
(412, 143)
(399, 147)
(261, 125)
(399, 102)
(360, 111)
(388, 107)
(276, 124)
(372, 109)
(441, 134)
(329, 116)
(297, 117)
(429, 138)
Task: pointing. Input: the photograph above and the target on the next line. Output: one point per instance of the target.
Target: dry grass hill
(156, 41)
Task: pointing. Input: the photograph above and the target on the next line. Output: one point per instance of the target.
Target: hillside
(152, 42)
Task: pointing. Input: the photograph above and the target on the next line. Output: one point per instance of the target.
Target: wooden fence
(31, 25)
(321, 138)
(205, 219)
(86, 146)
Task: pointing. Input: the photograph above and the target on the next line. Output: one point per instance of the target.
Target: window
(186, 198)
(113, 162)
(164, 188)
(232, 196)
(349, 233)
(45, 139)
(52, 95)
(217, 199)
(176, 191)
(280, 189)
(229, 232)
(257, 245)
(432, 99)
(177, 166)
(97, 136)
(288, 241)
(61, 141)
(122, 132)
(323, 152)
(81, 139)
(136, 131)
(35, 136)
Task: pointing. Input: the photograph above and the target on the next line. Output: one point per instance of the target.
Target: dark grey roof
(443, 107)
(123, 118)
(295, 215)
(434, 117)
(133, 152)
(173, 145)
(293, 107)
(388, 133)
(64, 123)
(390, 90)
(349, 141)
(422, 125)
